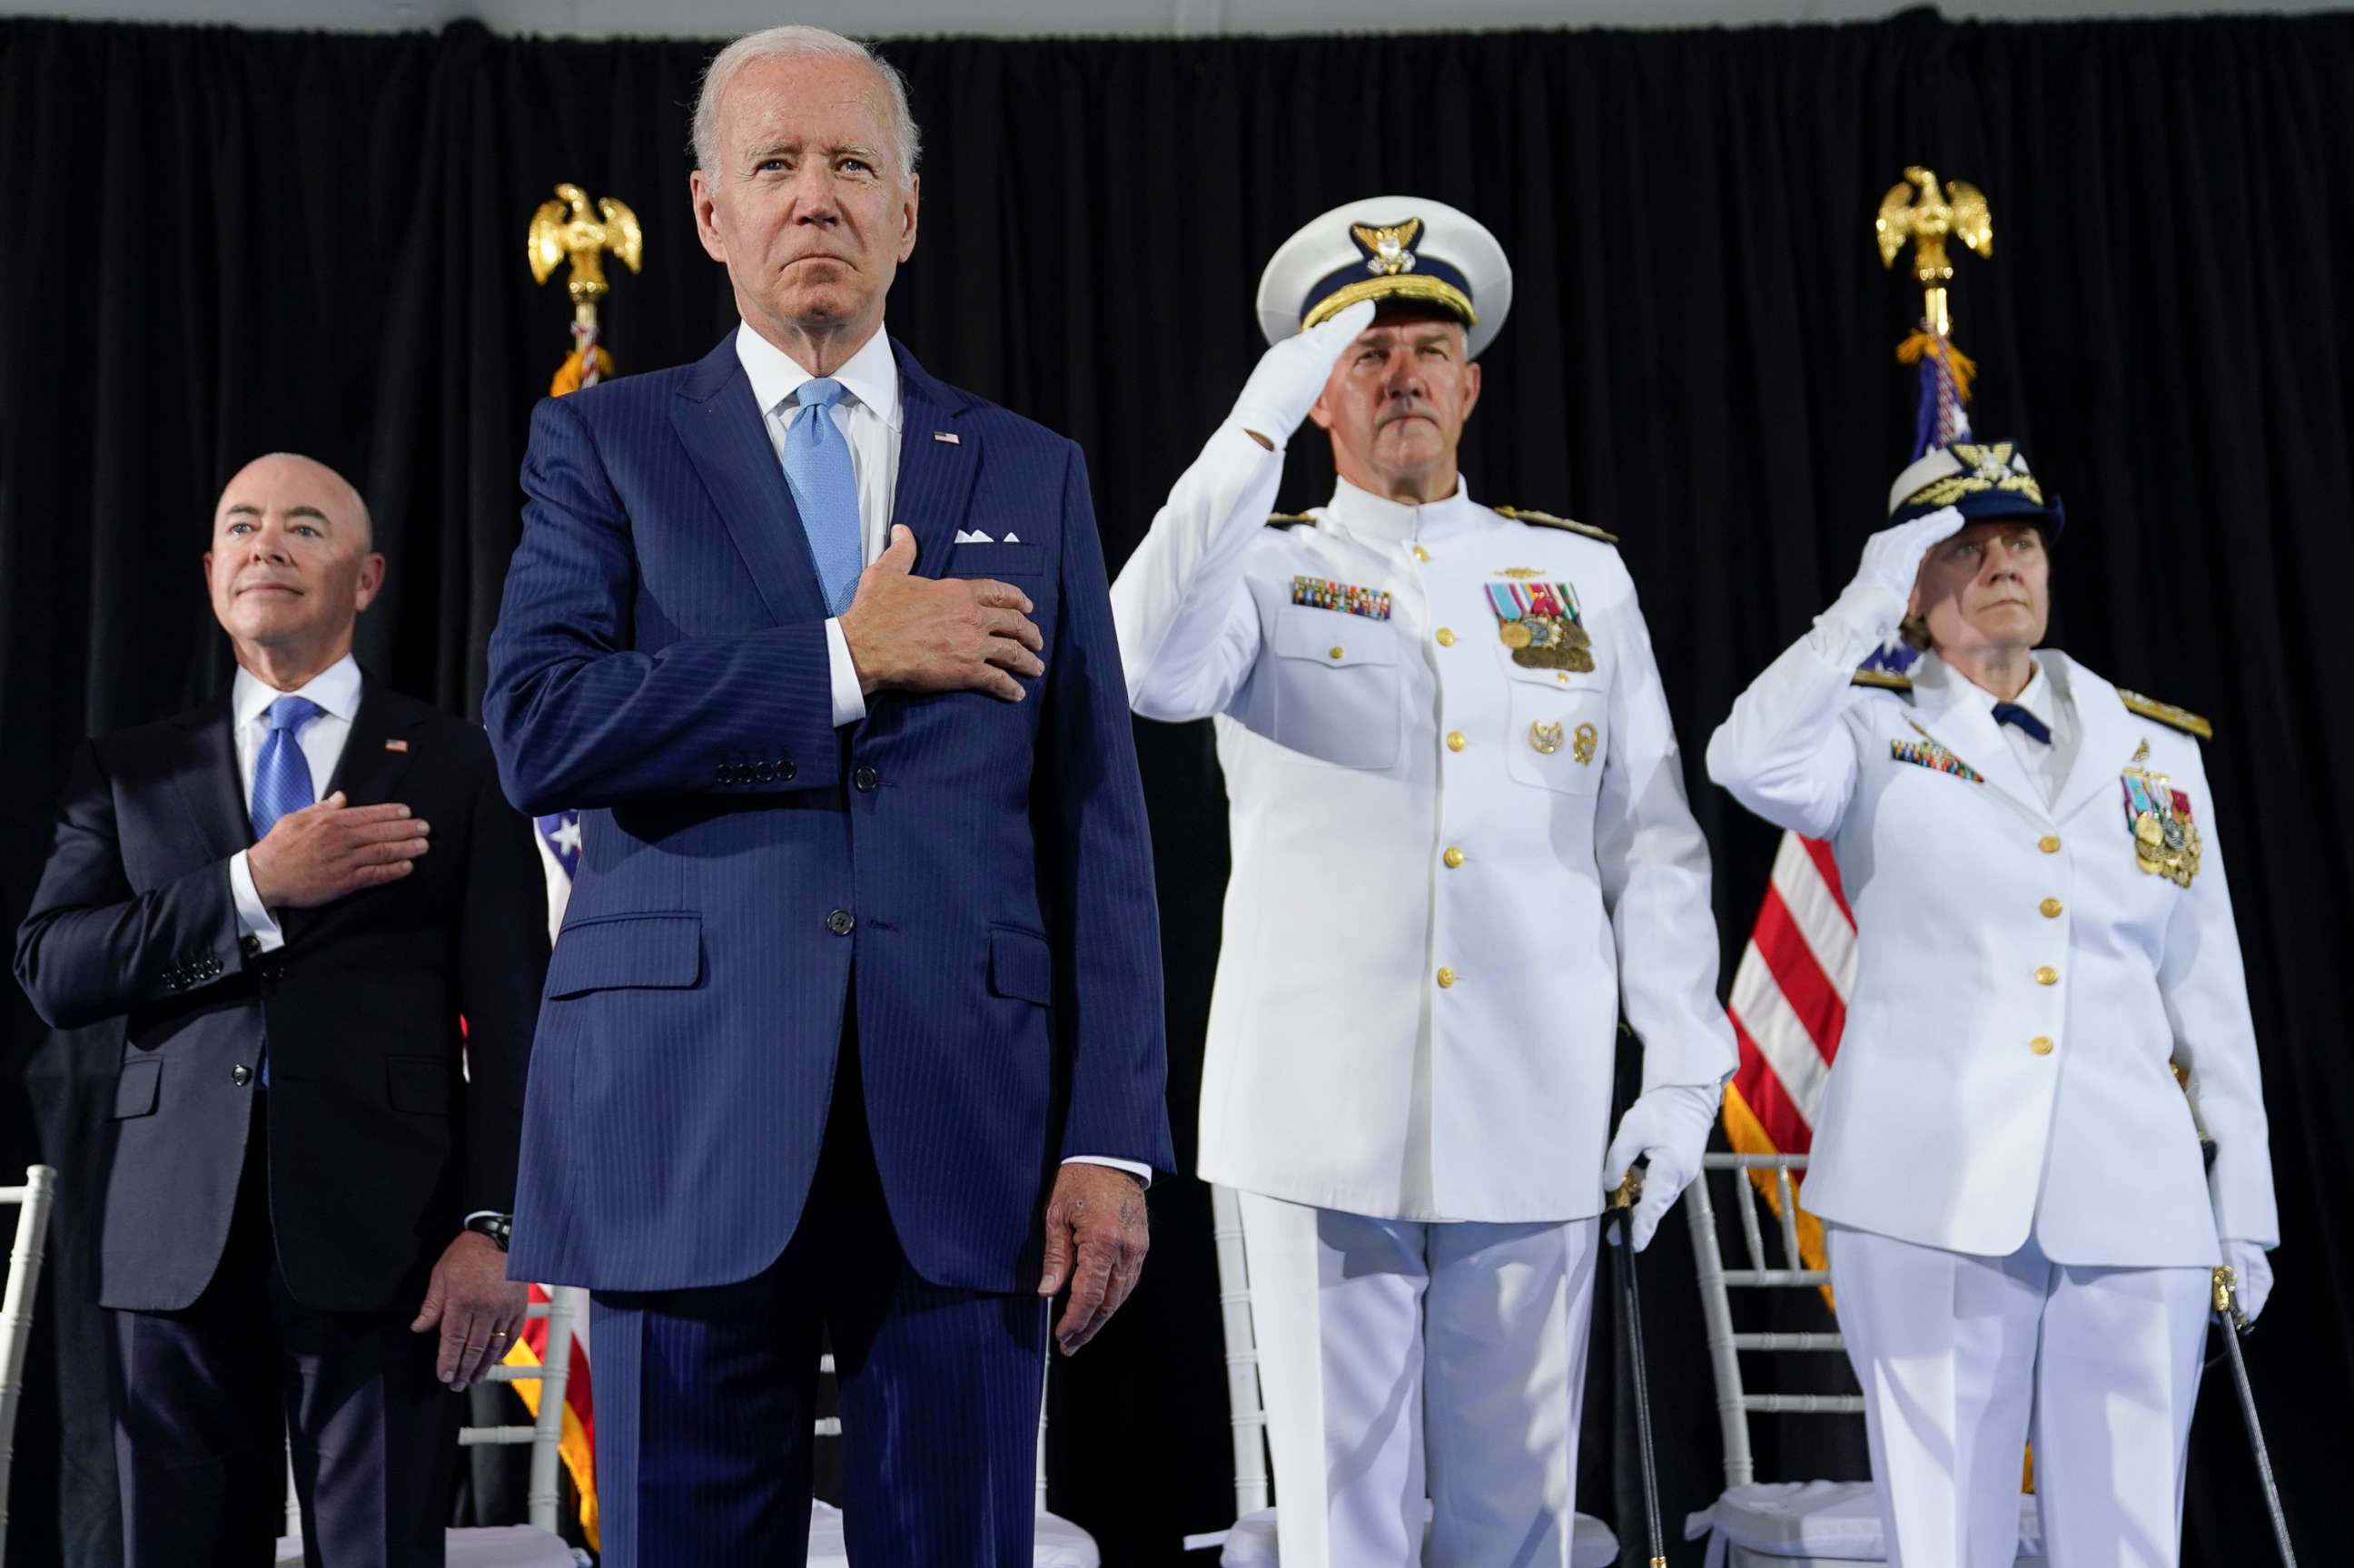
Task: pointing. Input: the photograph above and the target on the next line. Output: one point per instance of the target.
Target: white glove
(1291, 375)
(2254, 1270)
(1876, 600)
(1670, 1124)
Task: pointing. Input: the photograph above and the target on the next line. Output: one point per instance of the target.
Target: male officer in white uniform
(2018, 1217)
(1460, 846)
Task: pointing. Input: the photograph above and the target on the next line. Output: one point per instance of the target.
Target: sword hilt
(1630, 1192)
(2227, 1300)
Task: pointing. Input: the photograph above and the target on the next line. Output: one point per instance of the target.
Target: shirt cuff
(1141, 1172)
(253, 916)
(849, 702)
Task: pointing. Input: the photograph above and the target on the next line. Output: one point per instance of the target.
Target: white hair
(799, 43)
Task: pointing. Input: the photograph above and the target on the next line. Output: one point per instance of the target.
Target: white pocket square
(1012, 540)
(970, 536)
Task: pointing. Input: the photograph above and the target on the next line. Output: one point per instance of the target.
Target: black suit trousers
(205, 1399)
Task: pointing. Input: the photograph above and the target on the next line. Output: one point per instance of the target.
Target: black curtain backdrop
(220, 243)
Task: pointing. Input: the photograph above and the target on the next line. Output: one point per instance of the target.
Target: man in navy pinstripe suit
(854, 1023)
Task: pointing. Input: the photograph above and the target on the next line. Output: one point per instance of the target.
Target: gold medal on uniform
(1540, 623)
(2166, 839)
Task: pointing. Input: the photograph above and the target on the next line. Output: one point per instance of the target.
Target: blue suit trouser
(706, 1398)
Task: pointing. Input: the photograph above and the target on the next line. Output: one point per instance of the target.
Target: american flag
(560, 853)
(1789, 996)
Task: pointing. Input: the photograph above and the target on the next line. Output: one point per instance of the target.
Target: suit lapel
(2106, 747)
(726, 438)
(369, 770)
(368, 773)
(204, 773)
(934, 485)
(1966, 729)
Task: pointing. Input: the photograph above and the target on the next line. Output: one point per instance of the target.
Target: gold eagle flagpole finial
(1927, 220)
(1917, 210)
(565, 228)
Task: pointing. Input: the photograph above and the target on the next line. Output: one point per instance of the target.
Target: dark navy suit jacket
(973, 875)
(381, 1141)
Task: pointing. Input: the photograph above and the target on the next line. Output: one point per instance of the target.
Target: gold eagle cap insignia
(1389, 249)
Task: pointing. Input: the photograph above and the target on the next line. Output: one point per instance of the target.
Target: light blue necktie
(281, 773)
(825, 490)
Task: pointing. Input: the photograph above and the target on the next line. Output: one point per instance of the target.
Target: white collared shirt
(336, 690)
(868, 417)
(2044, 698)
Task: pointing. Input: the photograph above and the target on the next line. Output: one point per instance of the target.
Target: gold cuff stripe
(1408, 285)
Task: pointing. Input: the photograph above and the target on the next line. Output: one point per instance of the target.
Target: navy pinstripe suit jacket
(976, 874)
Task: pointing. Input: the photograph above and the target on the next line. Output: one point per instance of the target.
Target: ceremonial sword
(2235, 1325)
(1630, 1317)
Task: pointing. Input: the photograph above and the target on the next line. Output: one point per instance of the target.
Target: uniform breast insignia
(1926, 753)
(1581, 744)
(1519, 571)
(1541, 624)
(2165, 841)
(1545, 737)
(1374, 604)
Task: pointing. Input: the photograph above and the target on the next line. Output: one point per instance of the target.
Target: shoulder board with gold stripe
(1547, 520)
(2167, 713)
(1882, 679)
(1290, 519)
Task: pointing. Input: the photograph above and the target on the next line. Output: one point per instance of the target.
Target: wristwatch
(499, 1228)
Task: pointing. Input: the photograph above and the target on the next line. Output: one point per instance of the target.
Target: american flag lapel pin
(396, 745)
(946, 437)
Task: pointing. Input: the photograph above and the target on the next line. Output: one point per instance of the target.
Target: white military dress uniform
(1451, 873)
(2011, 1175)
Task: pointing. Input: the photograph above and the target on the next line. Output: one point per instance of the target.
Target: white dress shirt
(336, 690)
(2046, 696)
(868, 415)
(868, 418)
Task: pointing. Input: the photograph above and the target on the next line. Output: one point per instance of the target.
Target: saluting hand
(952, 634)
(321, 852)
(1891, 568)
(1290, 376)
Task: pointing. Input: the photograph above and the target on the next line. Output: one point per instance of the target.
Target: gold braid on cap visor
(1407, 286)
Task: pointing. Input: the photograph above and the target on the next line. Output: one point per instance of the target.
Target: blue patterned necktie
(825, 490)
(281, 773)
(2013, 714)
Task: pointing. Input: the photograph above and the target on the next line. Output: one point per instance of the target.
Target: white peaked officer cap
(1390, 246)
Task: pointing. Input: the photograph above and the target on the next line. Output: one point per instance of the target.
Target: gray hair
(799, 43)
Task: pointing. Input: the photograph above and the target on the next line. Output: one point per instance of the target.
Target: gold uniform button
(2041, 1044)
(2047, 975)
(2050, 907)
(1446, 979)
(1420, 554)
(1455, 741)
(1446, 637)
(2048, 844)
(1453, 857)
(1336, 651)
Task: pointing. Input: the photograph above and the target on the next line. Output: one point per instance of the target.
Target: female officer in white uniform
(2009, 1175)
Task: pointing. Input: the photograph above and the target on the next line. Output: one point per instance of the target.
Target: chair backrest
(563, 1310)
(1734, 1402)
(1246, 1413)
(34, 1201)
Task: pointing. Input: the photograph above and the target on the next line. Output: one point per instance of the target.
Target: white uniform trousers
(1960, 1354)
(1398, 1356)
